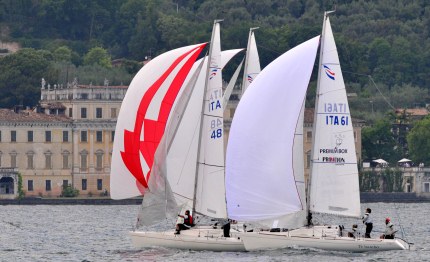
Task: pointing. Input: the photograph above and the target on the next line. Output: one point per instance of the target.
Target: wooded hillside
(386, 39)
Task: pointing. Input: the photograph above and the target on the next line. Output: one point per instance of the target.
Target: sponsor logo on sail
(329, 72)
(250, 79)
(333, 150)
(213, 73)
(336, 149)
(332, 159)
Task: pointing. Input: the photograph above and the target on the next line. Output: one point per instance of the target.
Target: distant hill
(388, 40)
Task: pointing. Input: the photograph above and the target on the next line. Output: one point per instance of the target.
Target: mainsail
(252, 61)
(209, 194)
(334, 185)
(260, 148)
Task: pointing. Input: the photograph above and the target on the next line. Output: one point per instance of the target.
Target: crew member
(389, 230)
(186, 222)
(368, 222)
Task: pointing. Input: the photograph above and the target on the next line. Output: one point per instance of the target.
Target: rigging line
(386, 100)
(188, 152)
(268, 49)
(177, 194)
(213, 116)
(331, 91)
(400, 223)
(203, 163)
(373, 82)
(352, 73)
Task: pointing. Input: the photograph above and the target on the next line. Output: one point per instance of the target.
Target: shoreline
(366, 197)
(393, 197)
(71, 201)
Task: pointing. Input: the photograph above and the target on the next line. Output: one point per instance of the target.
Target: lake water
(99, 233)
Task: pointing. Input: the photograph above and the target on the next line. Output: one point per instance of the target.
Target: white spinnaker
(210, 188)
(182, 156)
(296, 219)
(252, 62)
(122, 183)
(227, 55)
(334, 173)
(260, 183)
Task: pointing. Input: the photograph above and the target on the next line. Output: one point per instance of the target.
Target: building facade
(66, 140)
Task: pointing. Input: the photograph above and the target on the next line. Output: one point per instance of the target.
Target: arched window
(6, 185)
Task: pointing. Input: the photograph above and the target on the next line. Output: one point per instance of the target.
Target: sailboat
(263, 181)
(176, 182)
(252, 61)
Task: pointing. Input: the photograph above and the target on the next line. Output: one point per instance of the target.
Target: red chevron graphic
(154, 129)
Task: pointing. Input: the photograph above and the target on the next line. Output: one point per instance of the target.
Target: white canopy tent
(404, 160)
(380, 161)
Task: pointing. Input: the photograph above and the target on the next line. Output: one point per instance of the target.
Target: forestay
(260, 182)
(334, 174)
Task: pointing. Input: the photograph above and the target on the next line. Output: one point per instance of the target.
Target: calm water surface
(99, 233)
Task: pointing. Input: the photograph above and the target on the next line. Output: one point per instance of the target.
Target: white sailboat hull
(319, 237)
(200, 238)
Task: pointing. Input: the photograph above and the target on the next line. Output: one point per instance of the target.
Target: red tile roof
(30, 116)
(91, 86)
(413, 111)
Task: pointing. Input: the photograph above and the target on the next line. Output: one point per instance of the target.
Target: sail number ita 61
(335, 115)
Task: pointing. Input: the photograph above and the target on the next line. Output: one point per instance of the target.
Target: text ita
(335, 108)
(214, 100)
(336, 120)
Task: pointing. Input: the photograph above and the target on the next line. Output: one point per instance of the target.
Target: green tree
(419, 141)
(63, 53)
(98, 56)
(21, 193)
(20, 77)
(69, 191)
(378, 142)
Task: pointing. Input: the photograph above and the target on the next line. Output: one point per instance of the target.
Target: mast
(308, 193)
(216, 22)
(245, 73)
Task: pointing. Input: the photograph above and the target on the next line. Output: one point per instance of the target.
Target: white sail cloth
(182, 156)
(260, 148)
(334, 174)
(252, 62)
(140, 124)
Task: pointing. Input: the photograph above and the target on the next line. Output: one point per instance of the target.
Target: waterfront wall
(70, 201)
(368, 197)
